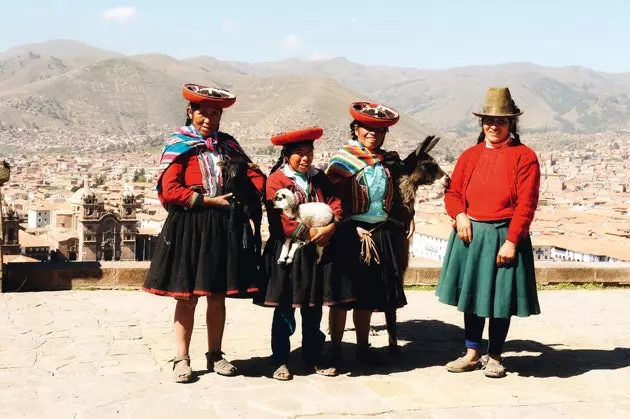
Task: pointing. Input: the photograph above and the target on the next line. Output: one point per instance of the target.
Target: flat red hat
(373, 114)
(218, 98)
(308, 134)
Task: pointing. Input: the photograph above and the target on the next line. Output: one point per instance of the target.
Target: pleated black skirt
(204, 251)
(377, 285)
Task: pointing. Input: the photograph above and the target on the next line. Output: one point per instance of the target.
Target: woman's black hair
(286, 151)
(193, 107)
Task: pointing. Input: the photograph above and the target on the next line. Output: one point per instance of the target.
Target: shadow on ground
(563, 363)
(430, 343)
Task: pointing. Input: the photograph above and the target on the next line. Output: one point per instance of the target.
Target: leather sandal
(282, 373)
(461, 364)
(220, 365)
(493, 369)
(182, 373)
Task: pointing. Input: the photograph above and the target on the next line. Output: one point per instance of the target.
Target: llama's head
(284, 199)
(422, 168)
(234, 170)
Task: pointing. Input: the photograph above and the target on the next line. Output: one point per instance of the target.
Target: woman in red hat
(191, 258)
(298, 284)
(367, 241)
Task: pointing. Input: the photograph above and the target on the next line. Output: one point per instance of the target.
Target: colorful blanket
(352, 158)
(187, 138)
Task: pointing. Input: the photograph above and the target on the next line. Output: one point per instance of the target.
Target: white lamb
(310, 214)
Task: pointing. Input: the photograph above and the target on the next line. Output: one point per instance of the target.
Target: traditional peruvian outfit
(299, 284)
(198, 252)
(371, 268)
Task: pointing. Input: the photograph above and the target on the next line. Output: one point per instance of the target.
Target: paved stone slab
(104, 354)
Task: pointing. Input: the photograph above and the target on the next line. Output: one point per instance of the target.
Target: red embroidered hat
(219, 98)
(308, 134)
(373, 114)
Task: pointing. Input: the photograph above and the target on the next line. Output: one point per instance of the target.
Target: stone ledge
(65, 276)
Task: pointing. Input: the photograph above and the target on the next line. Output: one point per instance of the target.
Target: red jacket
(185, 173)
(321, 191)
(523, 183)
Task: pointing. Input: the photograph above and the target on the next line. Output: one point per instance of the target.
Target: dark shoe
(220, 365)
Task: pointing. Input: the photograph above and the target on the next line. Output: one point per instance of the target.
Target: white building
(39, 217)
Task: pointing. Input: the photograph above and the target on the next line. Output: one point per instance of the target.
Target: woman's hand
(217, 201)
(324, 234)
(464, 227)
(507, 254)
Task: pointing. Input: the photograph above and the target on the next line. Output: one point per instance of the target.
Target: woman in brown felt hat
(488, 269)
(366, 263)
(196, 254)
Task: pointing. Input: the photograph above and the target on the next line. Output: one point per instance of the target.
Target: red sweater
(321, 191)
(185, 173)
(495, 184)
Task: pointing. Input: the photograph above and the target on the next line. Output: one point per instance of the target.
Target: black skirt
(204, 251)
(298, 284)
(375, 286)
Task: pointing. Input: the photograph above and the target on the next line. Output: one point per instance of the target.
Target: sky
(422, 34)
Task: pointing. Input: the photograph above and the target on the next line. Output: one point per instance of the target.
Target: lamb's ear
(433, 143)
(424, 145)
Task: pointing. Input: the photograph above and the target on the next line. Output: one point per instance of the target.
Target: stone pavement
(104, 354)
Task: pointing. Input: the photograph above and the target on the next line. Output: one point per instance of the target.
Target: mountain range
(68, 86)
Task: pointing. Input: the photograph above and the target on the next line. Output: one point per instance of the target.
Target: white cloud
(122, 14)
(354, 20)
(229, 25)
(318, 57)
(291, 41)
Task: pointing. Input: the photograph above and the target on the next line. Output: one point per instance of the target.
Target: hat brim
(505, 115)
(217, 98)
(308, 134)
(373, 114)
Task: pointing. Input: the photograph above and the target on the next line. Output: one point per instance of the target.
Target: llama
(418, 168)
(310, 214)
(245, 203)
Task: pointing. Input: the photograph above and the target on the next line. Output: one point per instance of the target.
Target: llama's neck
(408, 191)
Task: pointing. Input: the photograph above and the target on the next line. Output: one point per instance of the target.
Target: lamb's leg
(294, 247)
(320, 252)
(285, 251)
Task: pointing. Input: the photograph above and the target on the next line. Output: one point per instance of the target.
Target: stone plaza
(105, 354)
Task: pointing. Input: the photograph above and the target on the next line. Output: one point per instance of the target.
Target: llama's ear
(424, 145)
(433, 143)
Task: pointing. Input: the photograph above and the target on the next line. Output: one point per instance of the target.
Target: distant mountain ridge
(73, 87)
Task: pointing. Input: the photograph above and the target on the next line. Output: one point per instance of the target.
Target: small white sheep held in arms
(310, 214)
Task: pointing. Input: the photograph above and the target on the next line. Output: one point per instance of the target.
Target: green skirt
(471, 280)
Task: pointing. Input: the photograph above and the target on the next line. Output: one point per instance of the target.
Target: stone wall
(74, 275)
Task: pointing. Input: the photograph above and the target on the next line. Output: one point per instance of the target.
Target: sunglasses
(495, 121)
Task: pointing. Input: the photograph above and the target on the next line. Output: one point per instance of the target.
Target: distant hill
(72, 88)
(569, 99)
